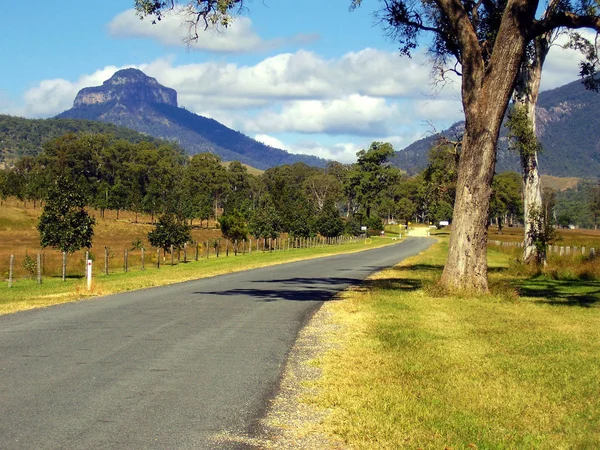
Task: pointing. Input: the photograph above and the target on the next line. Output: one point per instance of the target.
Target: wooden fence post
(64, 266)
(197, 250)
(185, 253)
(39, 268)
(143, 258)
(105, 260)
(158, 258)
(11, 267)
(126, 260)
(172, 255)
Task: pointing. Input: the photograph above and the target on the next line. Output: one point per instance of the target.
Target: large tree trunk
(526, 94)
(486, 90)
(466, 267)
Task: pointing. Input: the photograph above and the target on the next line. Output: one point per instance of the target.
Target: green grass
(411, 369)
(27, 294)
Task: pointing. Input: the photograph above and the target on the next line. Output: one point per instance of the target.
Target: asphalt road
(169, 367)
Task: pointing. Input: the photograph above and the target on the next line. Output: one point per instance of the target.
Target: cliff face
(127, 87)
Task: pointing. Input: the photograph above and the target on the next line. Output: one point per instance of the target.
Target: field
(18, 236)
(413, 368)
(578, 238)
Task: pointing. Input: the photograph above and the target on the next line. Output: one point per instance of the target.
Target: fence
(107, 260)
(553, 249)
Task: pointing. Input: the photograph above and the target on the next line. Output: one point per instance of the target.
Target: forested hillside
(25, 137)
(568, 121)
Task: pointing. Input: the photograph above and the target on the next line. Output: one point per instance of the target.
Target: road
(169, 367)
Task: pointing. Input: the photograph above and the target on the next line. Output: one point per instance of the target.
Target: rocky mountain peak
(127, 87)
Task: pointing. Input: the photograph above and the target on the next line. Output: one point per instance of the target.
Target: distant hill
(132, 99)
(22, 137)
(568, 121)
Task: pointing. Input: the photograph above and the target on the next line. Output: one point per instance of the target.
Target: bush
(29, 265)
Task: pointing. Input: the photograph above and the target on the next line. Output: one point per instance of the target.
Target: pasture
(411, 367)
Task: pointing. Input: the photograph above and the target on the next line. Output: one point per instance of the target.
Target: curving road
(170, 367)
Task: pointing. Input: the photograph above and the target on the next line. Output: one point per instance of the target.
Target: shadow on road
(312, 289)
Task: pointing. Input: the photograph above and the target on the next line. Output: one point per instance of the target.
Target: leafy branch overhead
(198, 13)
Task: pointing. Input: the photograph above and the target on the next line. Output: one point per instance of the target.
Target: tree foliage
(64, 223)
(168, 232)
(233, 226)
(329, 222)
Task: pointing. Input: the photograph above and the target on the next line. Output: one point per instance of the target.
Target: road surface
(171, 367)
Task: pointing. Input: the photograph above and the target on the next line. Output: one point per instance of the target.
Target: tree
(64, 223)
(322, 187)
(440, 180)
(488, 41)
(234, 227)
(522, 122)
(329, 223)
(506, 202)
(371, 174)
(595, 204)
(169, 232)
(265, 222)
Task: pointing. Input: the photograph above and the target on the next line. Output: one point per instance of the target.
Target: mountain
(568, 122)
(134, 100)
(25, 137)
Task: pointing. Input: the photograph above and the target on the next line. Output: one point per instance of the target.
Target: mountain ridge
(568, 122)
(132, 99)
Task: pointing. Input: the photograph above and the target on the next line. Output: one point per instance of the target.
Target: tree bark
(486, 90)
(526, 94)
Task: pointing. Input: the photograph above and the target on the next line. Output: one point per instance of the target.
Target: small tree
(234, 227)
(168, 231)
(329, 223)
(266, 223)
(64, 223)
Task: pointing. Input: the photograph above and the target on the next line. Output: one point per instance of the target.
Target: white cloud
(354, 114)
(438, 110)
(270, 140)
(342, 152)
(173, 31)
(358, 97)
(51, 97)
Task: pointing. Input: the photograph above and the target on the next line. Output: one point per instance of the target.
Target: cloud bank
(173, 31)
(299, 101)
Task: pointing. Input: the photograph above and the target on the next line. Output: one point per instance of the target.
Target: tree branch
(564, 19)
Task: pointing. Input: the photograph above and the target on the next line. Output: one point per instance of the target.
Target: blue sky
(310, 77)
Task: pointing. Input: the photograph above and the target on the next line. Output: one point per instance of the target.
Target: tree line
(158, 179)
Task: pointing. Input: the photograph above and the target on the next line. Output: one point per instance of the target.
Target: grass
(27, 294)
(516, 369)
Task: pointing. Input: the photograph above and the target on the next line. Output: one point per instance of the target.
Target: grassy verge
(27, 294)
(410, 369)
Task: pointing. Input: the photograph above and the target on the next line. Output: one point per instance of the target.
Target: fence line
(553, 249)
(51, 263)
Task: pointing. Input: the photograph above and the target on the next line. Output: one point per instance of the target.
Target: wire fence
(32, 264)
(554, 249)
